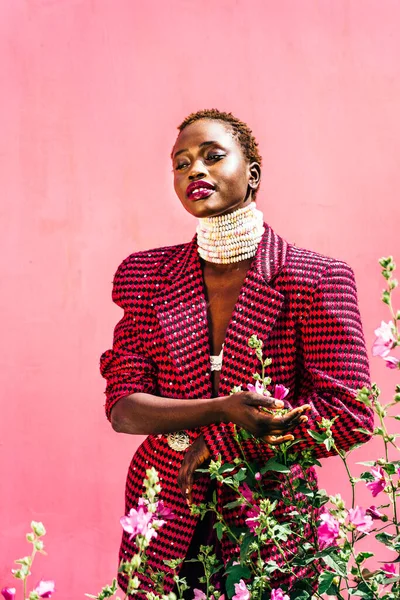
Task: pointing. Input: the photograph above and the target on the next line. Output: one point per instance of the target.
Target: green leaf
(363, 556)
(244, 434)
(362, 430)
(367, 463)
(379, 431)
(240, 475)
(325, 581)
(329, 443)
(234, 504)
(273, 465)
(305, 490)
(244, 547)
(336, 563)
(270, 567)
(219, 528)
(326, 552)
(235, 574)
(226, 468)
(363, 591)
(318, 437)
(300, 595)
(367, 476)
(385, 538)
(390, 468)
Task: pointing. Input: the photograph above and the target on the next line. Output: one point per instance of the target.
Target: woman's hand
(195, 456)
(246, 410)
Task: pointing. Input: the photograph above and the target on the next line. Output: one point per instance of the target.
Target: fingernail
(187, 490)
(279, 404)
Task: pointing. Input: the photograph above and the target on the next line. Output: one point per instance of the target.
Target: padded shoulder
(138, 274)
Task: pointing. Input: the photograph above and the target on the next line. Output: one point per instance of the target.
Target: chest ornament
(178, 440)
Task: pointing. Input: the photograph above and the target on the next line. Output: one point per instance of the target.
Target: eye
(181, 166)
(214, 157)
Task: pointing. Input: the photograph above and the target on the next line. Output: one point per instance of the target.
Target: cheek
(177, 182)
(235, 172)
(180, 187)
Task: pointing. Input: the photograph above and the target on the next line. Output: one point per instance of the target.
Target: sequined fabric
(301, 304)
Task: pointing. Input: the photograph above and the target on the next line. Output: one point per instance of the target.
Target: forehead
(206, 130)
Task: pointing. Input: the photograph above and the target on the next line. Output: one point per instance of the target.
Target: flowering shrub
(44, 589)
(339, 566)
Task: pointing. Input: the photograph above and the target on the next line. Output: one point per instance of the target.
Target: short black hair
(241, 131)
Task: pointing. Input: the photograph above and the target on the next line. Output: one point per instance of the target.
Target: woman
(181, 345)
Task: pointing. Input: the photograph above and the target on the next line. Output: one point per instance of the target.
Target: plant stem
(392, 488)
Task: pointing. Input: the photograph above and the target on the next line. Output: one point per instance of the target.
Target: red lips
(199, 188)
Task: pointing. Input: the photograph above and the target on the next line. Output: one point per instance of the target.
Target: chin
(211, 207)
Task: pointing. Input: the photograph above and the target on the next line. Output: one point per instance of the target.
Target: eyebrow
(200, 146)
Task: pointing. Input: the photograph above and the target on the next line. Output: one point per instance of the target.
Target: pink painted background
(91, 92)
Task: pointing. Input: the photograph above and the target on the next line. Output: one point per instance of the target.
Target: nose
(197, 170)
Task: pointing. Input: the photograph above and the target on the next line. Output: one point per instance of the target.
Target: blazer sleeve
(333, 366)
(334, 363)
(125, 367)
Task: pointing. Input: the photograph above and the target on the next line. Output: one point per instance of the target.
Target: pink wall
(91, 92)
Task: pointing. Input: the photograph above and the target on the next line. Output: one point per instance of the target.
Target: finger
(182, 480)
(280, 427)
(264, 401)
(274, 440)
(288, 421)
(285, 429)
(189, 484)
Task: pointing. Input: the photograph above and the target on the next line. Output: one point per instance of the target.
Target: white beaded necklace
(232, 237)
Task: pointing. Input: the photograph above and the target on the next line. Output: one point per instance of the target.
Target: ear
(254, 175)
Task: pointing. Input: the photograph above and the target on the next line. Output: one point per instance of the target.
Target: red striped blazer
(301, 304)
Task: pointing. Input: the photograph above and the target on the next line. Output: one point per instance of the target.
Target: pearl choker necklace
(230, 238)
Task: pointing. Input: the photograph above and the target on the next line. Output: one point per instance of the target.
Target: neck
(232, 237)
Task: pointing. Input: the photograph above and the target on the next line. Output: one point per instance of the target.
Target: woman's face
(211, 173)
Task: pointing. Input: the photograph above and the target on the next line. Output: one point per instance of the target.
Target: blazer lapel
(182, 312)
(256, 311)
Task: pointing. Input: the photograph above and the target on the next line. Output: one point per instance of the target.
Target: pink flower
(199, 595)
(391, 362)
(241, 591)
(164, 511)
(328, 530)
(385, 339)
(246, 492)
(359, 518)
(141, 522)
(257, 476)
(8, 593)
(280, 393)
(278, 594)
(258, 388)
(45, 589)
(373, 512)
(389, 570)
(378, 484)
(252, 520)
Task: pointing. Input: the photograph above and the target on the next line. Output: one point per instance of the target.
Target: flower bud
(38, 528)
(136, 561)
(8, 593)
(133, 584)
